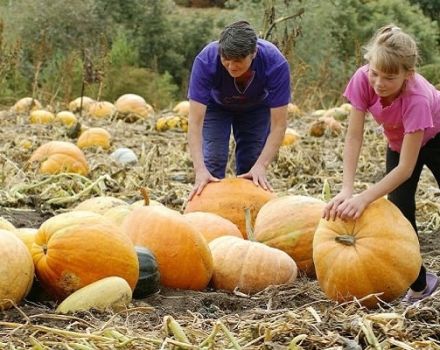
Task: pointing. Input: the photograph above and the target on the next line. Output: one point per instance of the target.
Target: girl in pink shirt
(407, 108)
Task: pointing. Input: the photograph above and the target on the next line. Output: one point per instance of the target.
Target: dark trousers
(250, 129)
(404, 195)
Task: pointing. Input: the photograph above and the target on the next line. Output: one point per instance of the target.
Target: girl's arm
(352, 148)
(353, 208)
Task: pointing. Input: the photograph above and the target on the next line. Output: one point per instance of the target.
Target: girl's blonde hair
(391, 49)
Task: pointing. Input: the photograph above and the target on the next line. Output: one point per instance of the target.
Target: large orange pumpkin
(377, 253)
(74, 249)
(16, 270)
(289, 223)
(212, 225)
(181, 252)
(249, 266)
(132, 107)
(229, 198)
(60, 156)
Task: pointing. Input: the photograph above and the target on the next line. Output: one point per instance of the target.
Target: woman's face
(387, 86)
(238, 66)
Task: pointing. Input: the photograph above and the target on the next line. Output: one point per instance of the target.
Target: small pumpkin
(101, 110)
(59, 156)
(25, 105)
(82, 102)
(149, 275)
(132, 107)
(182, 108)
(291, 137)
(94, 138)
(229, 198)
(124, 156)
(378, 253)
(41, 116)
(107, 293)
(66, 118)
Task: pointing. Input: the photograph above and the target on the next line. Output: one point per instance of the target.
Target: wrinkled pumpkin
(16, 270)
(289, 223)
(378, 253)
(249, 266)
(181, 252)
(59, 156)
(74, 249)
(229, 198)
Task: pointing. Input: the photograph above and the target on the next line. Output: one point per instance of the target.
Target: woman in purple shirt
(407, 108)
(239, 83)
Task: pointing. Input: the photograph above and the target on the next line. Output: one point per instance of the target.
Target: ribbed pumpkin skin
(289, 223)
(93, 138)
(100, 205)
(74, 249)
(212, 225)
(249, 266)
(60, 156)
(229, 198)
(385, 257)
(181, 252)
(16, 269)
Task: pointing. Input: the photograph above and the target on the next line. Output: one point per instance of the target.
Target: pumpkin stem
(249, 228)
(346, 240)
(145, 195)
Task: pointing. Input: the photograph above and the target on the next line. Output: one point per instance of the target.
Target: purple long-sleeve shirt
(210, 82)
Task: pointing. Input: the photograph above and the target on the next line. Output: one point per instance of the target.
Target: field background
(55, 51)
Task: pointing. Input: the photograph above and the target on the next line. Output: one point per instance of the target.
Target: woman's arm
(278, 125)
(195, 126)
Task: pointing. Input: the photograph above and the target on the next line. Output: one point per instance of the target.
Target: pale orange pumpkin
(289, 223)
(25, 105)
(182, 254)
(6, 225)
(100, 204)
(378, 253)
(16, 270)
(94, 138)
(74, 249)
(27, 236)
(229, 198)
(211, 225)
(249, 266)
(132, 107)
(41, 116)
(60, 156)
(77, 103)
(182, 108)
(101, 110)
(66, 118)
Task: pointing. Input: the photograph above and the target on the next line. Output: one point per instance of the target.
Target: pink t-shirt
(417, 108)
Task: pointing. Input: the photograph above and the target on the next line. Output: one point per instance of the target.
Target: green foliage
(123, 52)
(158, 90)
(431, 72)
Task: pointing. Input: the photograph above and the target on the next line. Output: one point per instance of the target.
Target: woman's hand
(203, 178)
(258, 176)
(352, 208)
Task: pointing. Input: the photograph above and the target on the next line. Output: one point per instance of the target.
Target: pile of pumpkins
(233, 236)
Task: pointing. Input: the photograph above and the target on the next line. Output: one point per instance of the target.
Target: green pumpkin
(149, 276)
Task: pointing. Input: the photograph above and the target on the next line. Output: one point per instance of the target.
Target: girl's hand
(202, 179)
(331, 209)
(352, 209)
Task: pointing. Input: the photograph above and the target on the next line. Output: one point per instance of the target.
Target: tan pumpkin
(27, 236)
(41, 116)
(74, 249)
(59, 156)
(377, 253)
(16, 270)
(94, 138)
(132, 107)
(249, 266)
(182, 254)
(66, 118)
(289, 223)
(212, 225)
(25, 105)
(100, 204)
(6, 225)
(77, 103)
(293, 110)
(101, 110)
(229, 198)
(182, 108)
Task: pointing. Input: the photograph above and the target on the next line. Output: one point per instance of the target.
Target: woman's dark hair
(237, 40)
